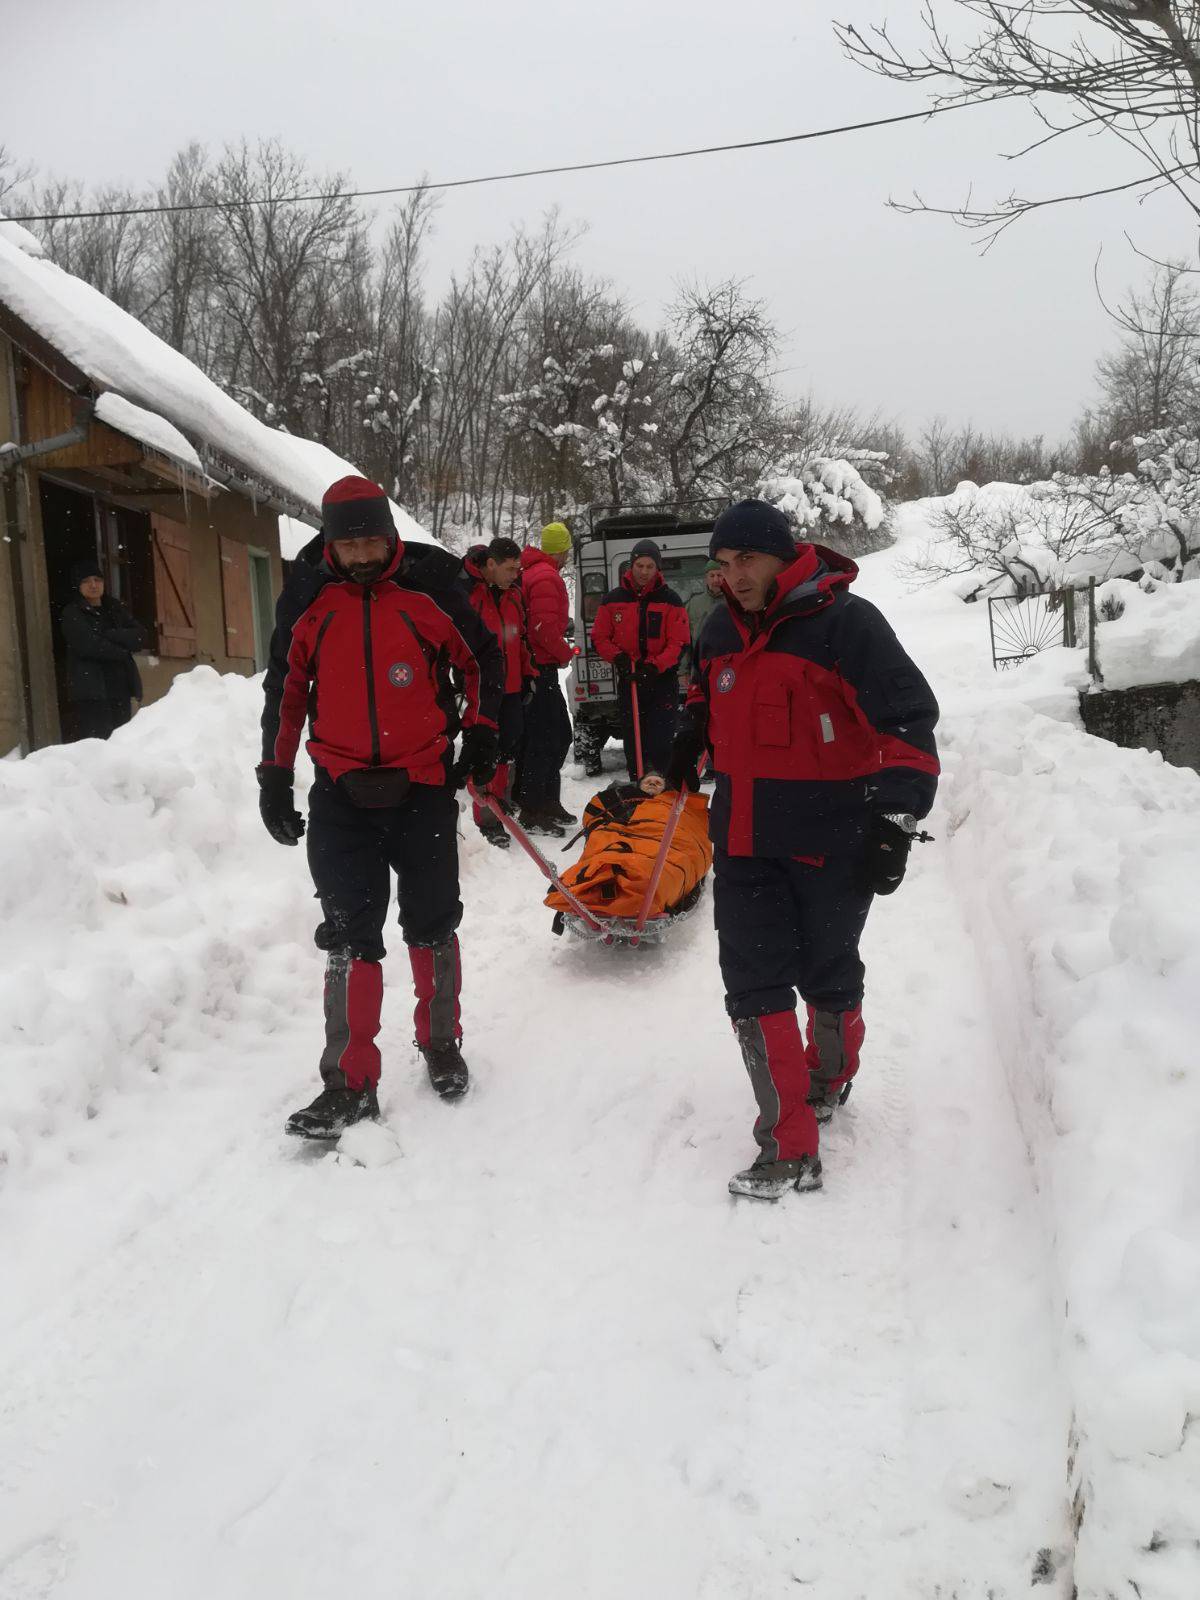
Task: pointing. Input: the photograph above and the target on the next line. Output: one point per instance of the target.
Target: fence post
(1068, 600)
(1093, 660)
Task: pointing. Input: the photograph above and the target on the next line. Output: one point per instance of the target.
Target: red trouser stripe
(437, 981)
(795, 1130)
(360, 1060)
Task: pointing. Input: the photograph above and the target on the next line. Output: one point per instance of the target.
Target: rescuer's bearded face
(363, 560)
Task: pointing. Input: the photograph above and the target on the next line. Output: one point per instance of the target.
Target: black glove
(645, 674)
(527, 687)
(622, 663)
(479, 758)
(884, 857)
(685, 755)
(276, 806)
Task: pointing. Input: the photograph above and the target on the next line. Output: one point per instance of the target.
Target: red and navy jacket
(814, 715)
(502, 612)
(546, 609)
(369, 666)
(647, 624)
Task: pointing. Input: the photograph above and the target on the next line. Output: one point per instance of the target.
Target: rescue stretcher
(636, 923)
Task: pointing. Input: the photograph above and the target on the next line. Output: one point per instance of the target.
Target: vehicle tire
(589, 742)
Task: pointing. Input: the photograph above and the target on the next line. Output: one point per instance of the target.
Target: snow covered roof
(146, 427)
(117, 354)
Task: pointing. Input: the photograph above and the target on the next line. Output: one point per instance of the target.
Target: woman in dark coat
(102, 676)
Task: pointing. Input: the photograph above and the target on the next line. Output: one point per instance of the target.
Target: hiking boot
(770, 1180)
(564, 816)
(494, 832)
(333, 1111)
(826, 1101)
(543, 823)
(447, 1070)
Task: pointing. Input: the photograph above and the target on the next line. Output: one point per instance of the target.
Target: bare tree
(281, 273)
(720, 403)
(1132, 69)
(14, 175)
(1150, 381)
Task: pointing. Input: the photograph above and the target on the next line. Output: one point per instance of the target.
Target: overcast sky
(877, 309)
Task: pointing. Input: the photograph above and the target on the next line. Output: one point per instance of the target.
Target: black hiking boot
(543, 823)
(563, 815)
(770, 1180)
(494, 832)
(826, 1101)
(333, 1111)
(447, 1070)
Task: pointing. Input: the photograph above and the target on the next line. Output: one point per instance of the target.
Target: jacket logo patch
(616, 616)
(400, 675)
(726, 679)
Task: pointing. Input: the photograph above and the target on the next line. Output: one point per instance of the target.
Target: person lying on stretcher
(623, 827)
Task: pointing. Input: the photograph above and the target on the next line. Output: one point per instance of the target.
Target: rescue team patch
(726, 679)
(400, 674)
(616, 616)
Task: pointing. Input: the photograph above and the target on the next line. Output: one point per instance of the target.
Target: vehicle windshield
(685, 574)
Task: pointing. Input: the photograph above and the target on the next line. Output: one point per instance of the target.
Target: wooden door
(175, 614)
(238, 600)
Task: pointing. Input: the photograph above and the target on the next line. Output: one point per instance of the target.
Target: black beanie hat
(88, 568)
(754, 525)
(356, 508)
(647, 547)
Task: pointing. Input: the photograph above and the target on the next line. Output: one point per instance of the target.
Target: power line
(505, 177)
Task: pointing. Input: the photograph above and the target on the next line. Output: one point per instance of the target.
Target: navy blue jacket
(814, 716)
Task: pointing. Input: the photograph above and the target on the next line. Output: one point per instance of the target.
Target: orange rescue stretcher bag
(622, 842)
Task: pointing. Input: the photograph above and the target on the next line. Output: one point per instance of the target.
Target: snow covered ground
(540, 1351)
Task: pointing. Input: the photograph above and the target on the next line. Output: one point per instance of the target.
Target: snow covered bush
(1007, 538)
(830, 500)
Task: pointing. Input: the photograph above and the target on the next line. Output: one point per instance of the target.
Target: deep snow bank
(134, 904)
(1077, 863)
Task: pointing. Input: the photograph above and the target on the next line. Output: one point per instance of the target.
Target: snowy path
(542, 1353)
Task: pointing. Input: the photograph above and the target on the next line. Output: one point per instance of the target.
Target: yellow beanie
(556, 538)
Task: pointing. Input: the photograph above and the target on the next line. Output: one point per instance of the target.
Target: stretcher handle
(660, 859)
(637, 730)
(514, 829)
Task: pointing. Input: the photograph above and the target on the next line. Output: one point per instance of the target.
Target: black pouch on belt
(372, 788)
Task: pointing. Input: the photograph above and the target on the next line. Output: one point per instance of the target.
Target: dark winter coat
(814, 714)
(100, 644)
(502, 612)
(369, 665)
(647, 624)
(546, 609)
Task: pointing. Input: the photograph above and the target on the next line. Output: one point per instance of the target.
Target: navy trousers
(784, 925)
(545, 745)
(352, 852)
(658, 714)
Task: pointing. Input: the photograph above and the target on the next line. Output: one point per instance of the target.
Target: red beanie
(356, 508)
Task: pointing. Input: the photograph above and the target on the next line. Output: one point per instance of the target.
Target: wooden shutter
(174, 613)
(239, 606)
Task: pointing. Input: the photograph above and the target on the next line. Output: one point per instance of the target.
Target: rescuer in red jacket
(547, 720)
(489, 581)
(821, 733)
(366, 631)
(642, 628)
